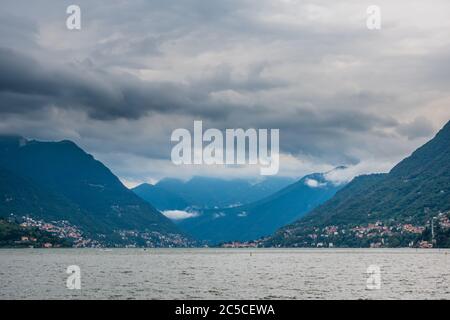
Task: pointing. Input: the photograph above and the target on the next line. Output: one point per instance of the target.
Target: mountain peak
(143, 186)
(60, 181)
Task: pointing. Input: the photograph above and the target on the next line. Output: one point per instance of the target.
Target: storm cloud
(339, 93)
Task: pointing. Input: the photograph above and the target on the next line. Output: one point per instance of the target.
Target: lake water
(225, 273)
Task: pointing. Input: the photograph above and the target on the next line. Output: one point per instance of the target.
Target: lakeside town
(64, 234)
(61, 229)
(378, 234)
(372, 235)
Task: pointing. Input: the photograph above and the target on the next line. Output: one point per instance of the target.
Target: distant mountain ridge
(415, 191)
(206, 192)
(58, 180)
(161, 198)
(262, 217)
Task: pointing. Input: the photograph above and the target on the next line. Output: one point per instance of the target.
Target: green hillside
(414, 192)
(59, 181)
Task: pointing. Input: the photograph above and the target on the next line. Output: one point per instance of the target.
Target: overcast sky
(339, 93)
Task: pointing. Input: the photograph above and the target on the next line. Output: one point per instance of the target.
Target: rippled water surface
(225, 274)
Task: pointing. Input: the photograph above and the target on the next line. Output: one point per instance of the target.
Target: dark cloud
(26, 84)
(339, 93)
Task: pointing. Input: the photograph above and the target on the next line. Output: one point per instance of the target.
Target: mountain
(161, 198)
(392, 205)
(59, 181)
(22, 196)
(205, 192)
(262, 217)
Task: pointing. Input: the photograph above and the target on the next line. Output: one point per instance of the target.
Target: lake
(226, 273)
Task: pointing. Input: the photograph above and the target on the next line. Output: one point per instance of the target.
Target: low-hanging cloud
(179, 214)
